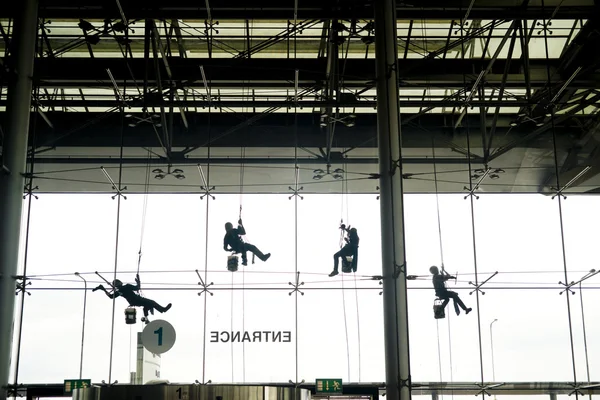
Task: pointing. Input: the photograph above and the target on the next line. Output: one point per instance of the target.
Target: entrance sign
(329, 386)
(72, 384)
(158, 337)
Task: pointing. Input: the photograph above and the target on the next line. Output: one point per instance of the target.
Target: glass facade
(330, 327)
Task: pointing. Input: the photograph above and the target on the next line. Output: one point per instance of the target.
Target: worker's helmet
(117, 283)
(434, 270)
(228, 226)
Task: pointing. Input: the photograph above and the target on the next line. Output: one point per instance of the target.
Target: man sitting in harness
(439, 284)
(349, 249)
(128, 292)
(233, 242)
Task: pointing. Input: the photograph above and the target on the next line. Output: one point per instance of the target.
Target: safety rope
(559, 197)
(144, 208)
(117, 231)
(439, 221)
(472, 204)
(231, 322)
(296, 195)
(207, 214)
(242, 172)
(450, 354)
(346, 326)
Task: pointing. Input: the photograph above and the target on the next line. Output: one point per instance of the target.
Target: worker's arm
(240, 228)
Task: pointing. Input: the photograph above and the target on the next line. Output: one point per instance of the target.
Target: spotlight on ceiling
(513, 123)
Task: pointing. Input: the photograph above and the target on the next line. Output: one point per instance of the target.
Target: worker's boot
(334, 272)
(261, 256)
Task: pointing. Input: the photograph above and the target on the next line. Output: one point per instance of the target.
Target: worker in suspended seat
(128, 292)
(233, 242)
(439, 284)
(350, 249)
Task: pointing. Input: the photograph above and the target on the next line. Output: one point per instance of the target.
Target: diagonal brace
(484, 388)
(476, 186)
(119, 190)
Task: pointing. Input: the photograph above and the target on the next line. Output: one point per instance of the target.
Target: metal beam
(328, 9)
(278, 104)
(12, 180)
(490, 138)
(99, 161)
(393, 255)
(158, 100)
(85, 72)
(539, 131)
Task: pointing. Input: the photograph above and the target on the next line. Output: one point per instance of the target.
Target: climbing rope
(208, 197)
(472, 204)
(144, 207)
(439, 221)
(559, 197)
(117, 231)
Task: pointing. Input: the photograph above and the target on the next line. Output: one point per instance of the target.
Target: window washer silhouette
(233, 242)
(439, 284)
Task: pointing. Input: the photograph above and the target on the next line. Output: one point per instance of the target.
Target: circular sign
(158, 337)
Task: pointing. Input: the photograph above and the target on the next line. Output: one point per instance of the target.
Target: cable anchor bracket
(21, 287)
(204, 285)
(296, 285)
(478, 286)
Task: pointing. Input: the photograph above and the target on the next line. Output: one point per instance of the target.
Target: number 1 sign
(158, 336)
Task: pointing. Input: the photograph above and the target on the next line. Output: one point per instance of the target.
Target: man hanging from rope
(128, 292)
(233, 242)
(439, 284)
(349, 249)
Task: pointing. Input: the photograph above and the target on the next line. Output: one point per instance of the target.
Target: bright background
(339, 329)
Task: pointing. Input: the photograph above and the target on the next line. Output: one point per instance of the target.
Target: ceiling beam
(310, 9)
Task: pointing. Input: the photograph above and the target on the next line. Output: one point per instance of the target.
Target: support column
(395, 311)
(12, 181)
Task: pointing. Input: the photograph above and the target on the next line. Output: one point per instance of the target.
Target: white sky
(515, 234)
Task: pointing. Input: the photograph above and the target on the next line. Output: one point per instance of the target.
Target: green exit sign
(72, 384)
(329, 386)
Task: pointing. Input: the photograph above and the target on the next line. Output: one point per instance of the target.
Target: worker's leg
(254, 250)
(458, 302)
(152, 305)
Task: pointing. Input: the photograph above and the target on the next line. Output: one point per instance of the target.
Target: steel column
(12, 183)
(395, 310)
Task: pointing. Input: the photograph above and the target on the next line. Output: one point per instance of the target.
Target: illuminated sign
(72, 384)
(329, 386)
